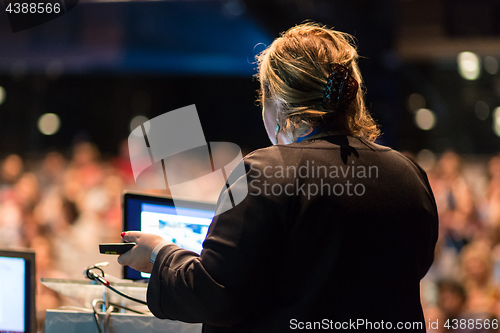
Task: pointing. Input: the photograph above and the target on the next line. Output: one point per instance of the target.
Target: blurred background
(72, 89)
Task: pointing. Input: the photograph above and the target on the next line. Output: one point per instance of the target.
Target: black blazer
(342, 246)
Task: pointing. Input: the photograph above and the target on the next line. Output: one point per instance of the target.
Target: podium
(83, 320)
(57, 321)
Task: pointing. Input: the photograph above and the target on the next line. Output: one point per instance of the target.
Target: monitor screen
(17, 291)
(185, 223)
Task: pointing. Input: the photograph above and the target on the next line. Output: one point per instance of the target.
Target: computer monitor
(185, 223)
(17, 291)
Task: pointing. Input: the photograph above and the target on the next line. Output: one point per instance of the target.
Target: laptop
(17, 291)
(184, 223)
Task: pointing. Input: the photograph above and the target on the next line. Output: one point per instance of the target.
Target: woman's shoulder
(282, 152)
(345, 145)
(268, 155)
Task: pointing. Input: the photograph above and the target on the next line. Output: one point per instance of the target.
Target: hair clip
(341, 88)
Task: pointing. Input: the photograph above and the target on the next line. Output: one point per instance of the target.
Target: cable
(126, 296)
(107, 315)
(94, 303)
(96, 277)
(100, 278)
(100, 301)
(108, 312)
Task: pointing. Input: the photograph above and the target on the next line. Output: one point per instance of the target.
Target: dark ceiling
(88, 65)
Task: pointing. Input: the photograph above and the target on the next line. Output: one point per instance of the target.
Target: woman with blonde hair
(310, 77)
(335, 232)
(477, 266)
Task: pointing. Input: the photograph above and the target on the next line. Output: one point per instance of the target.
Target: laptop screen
(17, 291)
(185, 224)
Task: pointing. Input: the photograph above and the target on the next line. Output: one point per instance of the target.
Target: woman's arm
(220, 286)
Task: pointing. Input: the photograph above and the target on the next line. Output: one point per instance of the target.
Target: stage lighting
(426, 159)
(2, 95)
(49, 123)
(425, 119)
(137, 121)
(496, 121)
(491, 65)
(469, 65)
(482, 110)
(415, 102)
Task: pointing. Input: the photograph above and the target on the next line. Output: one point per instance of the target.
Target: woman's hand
(138, 257)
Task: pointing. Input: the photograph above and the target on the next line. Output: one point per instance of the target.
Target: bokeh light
(138, 121)
(490, 65)
(469, 65)
(425, 119)
(496, 121)
(49, 123)
(482, 110)
(3, 95)
(415, 102)
(234, 8)
(426, 159)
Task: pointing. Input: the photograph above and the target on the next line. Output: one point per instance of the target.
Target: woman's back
(347, 231)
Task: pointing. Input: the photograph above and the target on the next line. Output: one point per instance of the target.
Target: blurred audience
(463, 285)
(47, 204)
(455, 314)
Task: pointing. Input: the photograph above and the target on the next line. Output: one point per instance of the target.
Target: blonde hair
(480, 252)
(293, 73)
